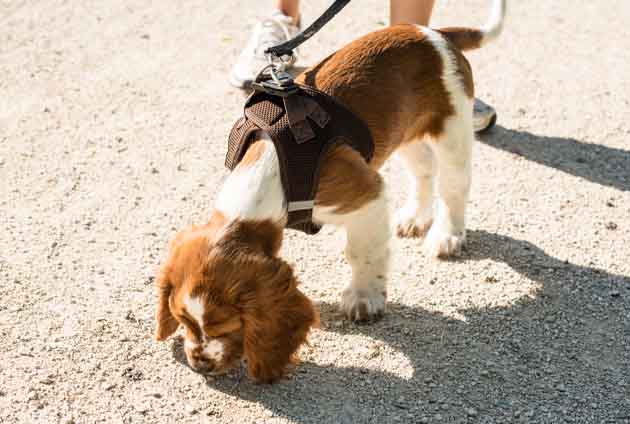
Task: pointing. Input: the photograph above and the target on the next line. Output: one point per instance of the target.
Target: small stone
(615, 293)
(611, 226)
(191, 410)
(157, 395)
(471, 412)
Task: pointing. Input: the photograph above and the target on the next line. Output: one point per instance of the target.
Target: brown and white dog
(224, 281)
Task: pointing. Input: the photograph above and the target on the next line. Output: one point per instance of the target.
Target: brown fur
(463, 38)
(237, 275)
(254, 152)
(400, 72)
(344, 171)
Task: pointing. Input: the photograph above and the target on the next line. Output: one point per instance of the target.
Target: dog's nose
(203, 365)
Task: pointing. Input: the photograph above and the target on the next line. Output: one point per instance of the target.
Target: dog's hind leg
(452, 151)
(416, 216)
(352, 195)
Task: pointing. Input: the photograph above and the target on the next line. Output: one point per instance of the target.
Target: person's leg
(282, 24)
(289, 8)
(419, 12)
(410, 11)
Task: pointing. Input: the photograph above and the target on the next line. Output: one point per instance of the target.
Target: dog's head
(235, 298)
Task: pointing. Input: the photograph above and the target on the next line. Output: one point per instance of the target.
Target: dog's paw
(363, 304)
(441, 244)
(410, 225)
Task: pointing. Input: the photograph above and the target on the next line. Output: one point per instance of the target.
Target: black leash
(272, 79)
(288, 46)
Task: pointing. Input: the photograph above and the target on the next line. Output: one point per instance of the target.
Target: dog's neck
(253, 192)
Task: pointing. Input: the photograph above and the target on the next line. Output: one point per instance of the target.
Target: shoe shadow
(563, 348)
(596, 163)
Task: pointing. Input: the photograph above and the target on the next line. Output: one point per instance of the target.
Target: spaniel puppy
(224, 281)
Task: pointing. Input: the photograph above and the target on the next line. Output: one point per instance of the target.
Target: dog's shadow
(536, 358)
(600, 164)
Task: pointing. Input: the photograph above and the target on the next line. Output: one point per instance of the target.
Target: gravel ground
(113, 124)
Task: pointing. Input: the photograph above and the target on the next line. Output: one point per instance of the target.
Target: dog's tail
(472, 38)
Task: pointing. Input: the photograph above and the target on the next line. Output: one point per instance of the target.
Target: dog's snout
(202, 364)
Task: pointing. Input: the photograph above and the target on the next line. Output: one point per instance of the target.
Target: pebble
(191, 410)
(611, 225)
(471, 412)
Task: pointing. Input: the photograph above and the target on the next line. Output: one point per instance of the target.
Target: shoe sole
(491, 124)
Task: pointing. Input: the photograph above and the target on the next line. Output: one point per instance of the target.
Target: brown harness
(303, 126)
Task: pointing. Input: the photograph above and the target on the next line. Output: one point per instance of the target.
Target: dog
(224, 282)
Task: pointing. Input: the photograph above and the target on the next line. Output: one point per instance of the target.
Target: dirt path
(113, 124)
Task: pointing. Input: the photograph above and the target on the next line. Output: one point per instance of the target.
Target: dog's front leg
(367, 252)
(352, 195)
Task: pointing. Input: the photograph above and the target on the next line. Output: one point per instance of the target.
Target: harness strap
(303, 127)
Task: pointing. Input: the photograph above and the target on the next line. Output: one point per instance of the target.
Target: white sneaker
(271, 31)
(484, 116)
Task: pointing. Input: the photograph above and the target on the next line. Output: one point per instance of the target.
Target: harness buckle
(275, 81)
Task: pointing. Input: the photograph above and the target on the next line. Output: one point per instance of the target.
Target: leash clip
(274, 80)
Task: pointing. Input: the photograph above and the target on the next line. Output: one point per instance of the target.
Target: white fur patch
(195, 308)
(190, 345)
(254, 192)
(492, 29)
(213, 350)
(453, 154)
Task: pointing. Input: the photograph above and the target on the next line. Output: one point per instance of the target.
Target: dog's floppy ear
(166, 322)
(276, 320)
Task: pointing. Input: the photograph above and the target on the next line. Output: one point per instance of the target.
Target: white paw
(363, 304)
(410, 224)
(439, 243)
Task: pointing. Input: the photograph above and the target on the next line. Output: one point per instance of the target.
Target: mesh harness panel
(303, 127)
